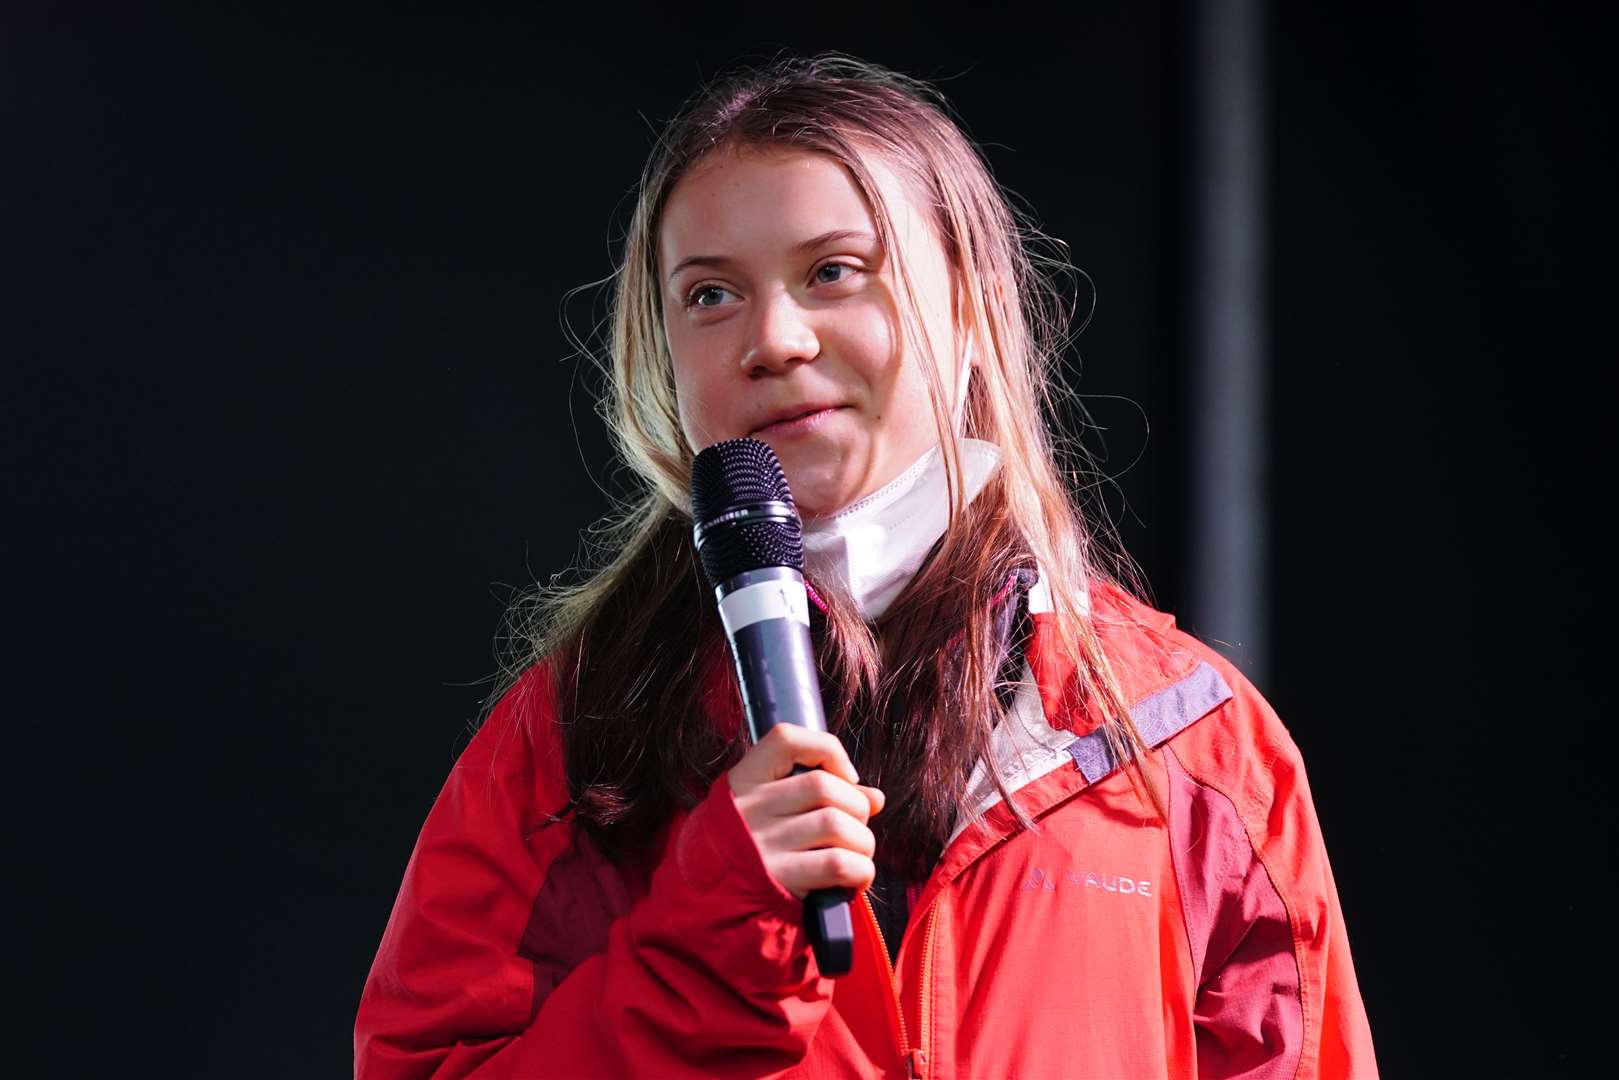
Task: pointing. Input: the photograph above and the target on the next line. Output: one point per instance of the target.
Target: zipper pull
(916, 1064)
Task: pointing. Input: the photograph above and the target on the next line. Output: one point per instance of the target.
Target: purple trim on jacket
(1157, 719)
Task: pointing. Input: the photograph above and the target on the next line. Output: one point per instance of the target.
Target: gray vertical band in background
(1227, 553)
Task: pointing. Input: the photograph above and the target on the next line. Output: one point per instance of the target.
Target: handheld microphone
(751, 544)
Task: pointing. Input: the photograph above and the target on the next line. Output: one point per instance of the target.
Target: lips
(795, 418)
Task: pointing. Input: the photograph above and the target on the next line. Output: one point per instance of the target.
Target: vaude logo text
(1085, 879)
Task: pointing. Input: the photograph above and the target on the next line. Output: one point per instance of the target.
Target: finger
(802, 872)
(823, 828)
(875, 797)
(787, 745)
(807, 792)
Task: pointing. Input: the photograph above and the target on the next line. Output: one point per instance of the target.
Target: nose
(780, 336)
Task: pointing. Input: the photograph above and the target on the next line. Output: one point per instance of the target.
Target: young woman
(1082, 844)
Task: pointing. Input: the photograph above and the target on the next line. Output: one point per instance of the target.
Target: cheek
(690, 391)
(690, 398)
(687, 392)
(711, 403)
(908, 406)
(907, 423)
(911, 428)
(870, 346)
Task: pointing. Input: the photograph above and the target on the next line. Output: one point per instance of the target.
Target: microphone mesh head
(733, 475)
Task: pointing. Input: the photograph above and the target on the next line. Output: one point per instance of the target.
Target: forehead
(755, 201)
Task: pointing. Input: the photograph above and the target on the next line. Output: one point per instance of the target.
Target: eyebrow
(829, 237)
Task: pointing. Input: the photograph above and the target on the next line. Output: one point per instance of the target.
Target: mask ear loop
(958, 415)
(963, 383)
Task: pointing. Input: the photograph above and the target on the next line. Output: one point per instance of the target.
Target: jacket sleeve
(516, 950)
(1276, 988)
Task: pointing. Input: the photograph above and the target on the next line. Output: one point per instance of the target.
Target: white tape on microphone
(777, 599)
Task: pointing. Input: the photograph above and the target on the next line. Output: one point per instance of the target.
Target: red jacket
(1109, 943)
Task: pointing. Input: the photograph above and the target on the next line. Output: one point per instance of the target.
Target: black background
(290, 411)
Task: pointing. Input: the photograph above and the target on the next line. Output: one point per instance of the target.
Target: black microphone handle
(775, 663)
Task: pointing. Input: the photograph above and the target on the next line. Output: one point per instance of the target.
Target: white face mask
(875, 546)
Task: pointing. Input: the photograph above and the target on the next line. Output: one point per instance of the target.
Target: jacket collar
(1051, 745)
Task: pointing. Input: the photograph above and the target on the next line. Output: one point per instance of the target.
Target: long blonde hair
(916, 696)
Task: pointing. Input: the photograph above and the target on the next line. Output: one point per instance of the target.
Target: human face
(781, 313)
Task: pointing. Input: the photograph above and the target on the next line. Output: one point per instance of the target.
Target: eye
(839, 272)
(705, 296)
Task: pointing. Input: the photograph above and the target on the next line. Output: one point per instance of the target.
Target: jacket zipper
(925, 991)
(915, 1058)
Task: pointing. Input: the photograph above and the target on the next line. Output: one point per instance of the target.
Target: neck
(874, 547)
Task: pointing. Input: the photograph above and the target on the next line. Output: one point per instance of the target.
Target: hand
(810, 828)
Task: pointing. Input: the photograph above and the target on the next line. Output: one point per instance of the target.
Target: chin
(819, 487)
